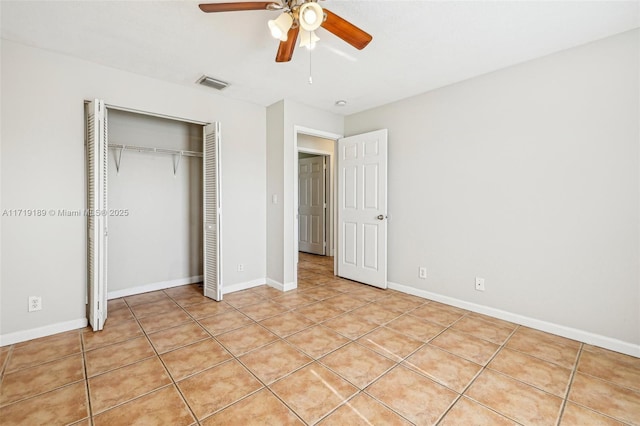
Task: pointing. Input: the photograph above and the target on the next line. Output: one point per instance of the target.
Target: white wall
(530, 178)
(43, 166)
(158, 242)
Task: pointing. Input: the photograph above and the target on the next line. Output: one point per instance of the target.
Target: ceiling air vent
(212, 82)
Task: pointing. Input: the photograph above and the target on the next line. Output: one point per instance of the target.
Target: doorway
(164, 212)
(312, 203)
(359, 205)
(314, 148)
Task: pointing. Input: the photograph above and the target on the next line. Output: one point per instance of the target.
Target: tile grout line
(342, 404)
(608, 416)
(3, 368)
(86, 378)
(608, 382)
(269, 298)
(366, 392)
(484, 368)
(157, 354)
(480, 371)
(36, 395)
(59, 387)
(573, 375)
(175, 384)
(538, 358)
(397, 363)
(349, 381)
(313, 359)
(237, 309)
(237, 359)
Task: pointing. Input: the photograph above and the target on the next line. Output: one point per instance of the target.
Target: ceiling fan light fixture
(295, 17)
(310, 16)
(308, 39)
(274, 6)
(280, 26)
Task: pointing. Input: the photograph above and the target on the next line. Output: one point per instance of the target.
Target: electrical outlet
(35, 303)
(422, 273)
(240, 267)
(479, 284)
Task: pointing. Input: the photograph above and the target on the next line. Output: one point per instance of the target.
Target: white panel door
(362, 208)
(97, 157)
(312, 205)
(211, 212)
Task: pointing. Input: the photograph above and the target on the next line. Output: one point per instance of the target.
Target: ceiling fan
(298, 16)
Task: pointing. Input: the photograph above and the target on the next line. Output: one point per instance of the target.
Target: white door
(211, 211)
(312, 205)
(362, 208)
(97, 157)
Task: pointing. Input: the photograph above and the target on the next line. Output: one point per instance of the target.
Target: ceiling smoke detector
(341, 103)
(212, 82)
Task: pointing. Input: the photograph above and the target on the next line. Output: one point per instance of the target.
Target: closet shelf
(177, 154)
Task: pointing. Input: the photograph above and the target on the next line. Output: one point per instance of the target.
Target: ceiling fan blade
(236, 6)
(346, 30)
(285, 50)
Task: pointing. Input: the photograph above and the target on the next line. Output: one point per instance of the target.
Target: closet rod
(177, 154)
(156, 150)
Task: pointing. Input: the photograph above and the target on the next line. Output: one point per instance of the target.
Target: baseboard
(243, 286)
(282, 287)
(560, 330)
(275, 284)
(162, 285)
(35, 333)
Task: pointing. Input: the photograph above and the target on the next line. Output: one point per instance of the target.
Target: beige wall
(43, 166)
(530, 178)
(282, 120)
(159, 241)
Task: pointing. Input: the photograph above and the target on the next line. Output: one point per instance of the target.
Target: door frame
(328, 211)
(128, 292)
(333, 180)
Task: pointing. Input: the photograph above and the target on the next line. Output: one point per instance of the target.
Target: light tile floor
(332, 352)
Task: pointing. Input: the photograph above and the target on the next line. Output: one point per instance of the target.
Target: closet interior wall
(158, 240)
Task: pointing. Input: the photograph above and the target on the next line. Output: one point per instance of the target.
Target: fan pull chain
(310, 77)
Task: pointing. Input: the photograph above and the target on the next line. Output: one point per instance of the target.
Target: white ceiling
(417, 45)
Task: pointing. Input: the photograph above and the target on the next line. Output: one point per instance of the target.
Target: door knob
(380, 217)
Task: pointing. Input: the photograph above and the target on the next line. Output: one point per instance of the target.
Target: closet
(152, 205)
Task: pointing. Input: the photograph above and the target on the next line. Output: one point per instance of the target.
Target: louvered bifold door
(97, 158)
(211, 213)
